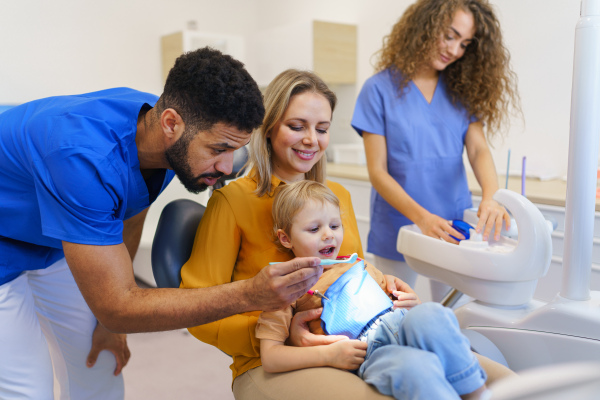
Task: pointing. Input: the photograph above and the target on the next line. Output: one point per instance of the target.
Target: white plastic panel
(548, 348)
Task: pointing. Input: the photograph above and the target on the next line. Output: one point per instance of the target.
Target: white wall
(64, 46)
(540, 36)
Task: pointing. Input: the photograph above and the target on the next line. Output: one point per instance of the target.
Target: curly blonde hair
(481, 80)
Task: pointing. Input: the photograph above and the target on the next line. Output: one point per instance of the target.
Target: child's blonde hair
(291, 198)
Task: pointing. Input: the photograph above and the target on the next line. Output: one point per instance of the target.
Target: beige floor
(175, 365)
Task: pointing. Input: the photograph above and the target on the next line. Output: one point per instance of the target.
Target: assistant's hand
(490, 213)
(438, 228)
(346, 354)
(277, 286)
(300, 336)
(405, 295)
(116, 343)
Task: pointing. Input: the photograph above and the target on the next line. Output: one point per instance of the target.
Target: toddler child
(407, 353)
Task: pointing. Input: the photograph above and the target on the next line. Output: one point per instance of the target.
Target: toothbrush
(351, 259)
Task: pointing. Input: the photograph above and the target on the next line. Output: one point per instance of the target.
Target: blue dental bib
(354, 300)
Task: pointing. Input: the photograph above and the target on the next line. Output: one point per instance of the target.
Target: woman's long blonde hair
(481, 80)
(277, 98)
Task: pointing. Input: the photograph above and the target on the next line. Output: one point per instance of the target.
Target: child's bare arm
(344, 354)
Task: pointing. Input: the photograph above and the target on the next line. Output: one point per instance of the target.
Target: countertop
(550, 192)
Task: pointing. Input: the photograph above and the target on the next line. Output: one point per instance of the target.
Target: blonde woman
(442, 76)
(234, 241)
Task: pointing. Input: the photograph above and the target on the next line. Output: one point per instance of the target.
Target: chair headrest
(173, 240)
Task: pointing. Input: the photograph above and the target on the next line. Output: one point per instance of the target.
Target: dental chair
(173, 240)
(176, 230)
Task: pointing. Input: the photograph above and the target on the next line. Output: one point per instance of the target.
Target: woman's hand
(346, 354)
(438, 228)
(405, 295)
(300, 336)
(490, 213)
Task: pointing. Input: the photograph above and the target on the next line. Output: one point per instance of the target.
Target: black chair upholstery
(173, 240)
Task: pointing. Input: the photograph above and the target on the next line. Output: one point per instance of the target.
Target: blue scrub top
(425, 143)
(69, 170)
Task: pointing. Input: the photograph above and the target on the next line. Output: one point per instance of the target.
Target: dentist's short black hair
(206, 86)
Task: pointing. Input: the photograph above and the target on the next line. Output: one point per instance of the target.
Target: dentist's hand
(116, 343)
(490, 213)
(277, 286)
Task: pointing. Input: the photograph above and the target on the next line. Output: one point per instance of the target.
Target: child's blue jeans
(421, 354)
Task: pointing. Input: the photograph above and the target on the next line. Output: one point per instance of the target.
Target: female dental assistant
(442, 73)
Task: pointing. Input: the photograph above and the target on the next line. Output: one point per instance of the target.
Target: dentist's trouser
(46, 325)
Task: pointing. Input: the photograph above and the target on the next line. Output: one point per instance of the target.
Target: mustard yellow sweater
(234, 242)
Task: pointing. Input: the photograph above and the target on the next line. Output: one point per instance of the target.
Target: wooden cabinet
(327, 48)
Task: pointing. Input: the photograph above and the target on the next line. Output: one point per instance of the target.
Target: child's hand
(405, 300)
(404, 296)
(346, 354)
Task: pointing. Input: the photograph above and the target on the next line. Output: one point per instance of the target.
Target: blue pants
(421, 354)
